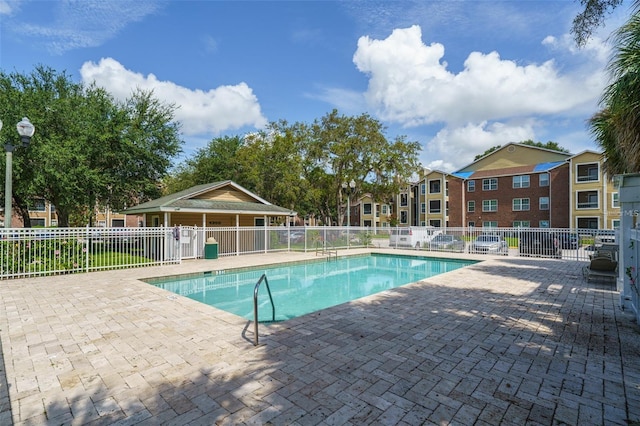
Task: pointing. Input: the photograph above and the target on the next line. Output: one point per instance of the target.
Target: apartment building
(364, 211)
(515, 186)
(43, 214)
(595, 195)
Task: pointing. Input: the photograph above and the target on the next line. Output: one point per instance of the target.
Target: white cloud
(87, 23)
(213, 111)
(491, 101)
(409, 84)
(6, 7)
(461, 144)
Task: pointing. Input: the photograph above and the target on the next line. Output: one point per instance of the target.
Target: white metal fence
(33, 252)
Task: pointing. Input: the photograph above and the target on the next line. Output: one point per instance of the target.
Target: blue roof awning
(463, 175)
(543, 167)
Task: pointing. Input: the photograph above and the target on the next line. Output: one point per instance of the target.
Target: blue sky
(457, 76)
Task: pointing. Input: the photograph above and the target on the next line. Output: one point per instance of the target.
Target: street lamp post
(26, 131)
(352, 190)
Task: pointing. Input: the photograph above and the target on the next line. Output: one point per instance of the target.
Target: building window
(543, 203)
(434, 187)
(404, 217)
(489, 184)
(544, 179)
(588, 223)
(490, 224)
(471, 206)
(435, 206)
(615, 223)
(615, 200)
(423, 189)
(37, 205)
(366, 208)
(117, 223)
(423, 208)
(588, 172)
(489, 205)
(471, 186)
(521, 224)
(521, 181)
(404, 200)
(36, 222)
(587, 199)
(544, 224)
(520, 204)
(384, 209)
(471, 224)
(435, 223)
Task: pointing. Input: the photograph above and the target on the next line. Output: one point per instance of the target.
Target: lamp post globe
(26, 131)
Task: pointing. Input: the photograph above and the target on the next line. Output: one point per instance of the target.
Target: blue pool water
(302, 288)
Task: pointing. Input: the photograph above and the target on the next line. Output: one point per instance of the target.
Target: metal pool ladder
(326, 249)
(255, 306)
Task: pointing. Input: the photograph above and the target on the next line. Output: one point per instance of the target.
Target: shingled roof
(186, 201)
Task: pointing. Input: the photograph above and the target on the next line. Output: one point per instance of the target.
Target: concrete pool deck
(506, 341)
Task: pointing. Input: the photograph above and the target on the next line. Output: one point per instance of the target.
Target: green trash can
(211, 249)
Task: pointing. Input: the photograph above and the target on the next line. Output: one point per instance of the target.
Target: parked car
(568, 240)
(605, 237)
(539, 243)
(411, 237)
(489, 243)
(297, 237)
(446, 242)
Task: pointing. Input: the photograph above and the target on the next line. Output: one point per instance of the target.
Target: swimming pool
(301, 288)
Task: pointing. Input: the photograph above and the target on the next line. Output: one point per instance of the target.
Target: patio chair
(608, 250)
(601, 267)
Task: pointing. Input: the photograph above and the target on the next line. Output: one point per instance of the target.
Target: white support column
(266, 236)
(237, 235)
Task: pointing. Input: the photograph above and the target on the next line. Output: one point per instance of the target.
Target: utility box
(211, 248)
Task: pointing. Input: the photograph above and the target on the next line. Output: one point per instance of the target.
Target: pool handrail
(325, 250)
(255, 305)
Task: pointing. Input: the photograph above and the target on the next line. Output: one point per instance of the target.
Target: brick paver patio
(507, 341)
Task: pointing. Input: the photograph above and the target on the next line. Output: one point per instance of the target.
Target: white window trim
(434, 211)
(521, 209)
(490, 180)
(588, 181)
(548, 180)
(548, 203)
(613, 203)
(519, 177)
(490, 203)
(588, 208)
(435, 180)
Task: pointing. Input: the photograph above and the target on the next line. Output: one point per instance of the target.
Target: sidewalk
(508, 341)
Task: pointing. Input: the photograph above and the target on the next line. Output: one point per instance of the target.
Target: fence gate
(189, 241)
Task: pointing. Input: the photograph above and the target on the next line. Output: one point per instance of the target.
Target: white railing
(33, 252)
